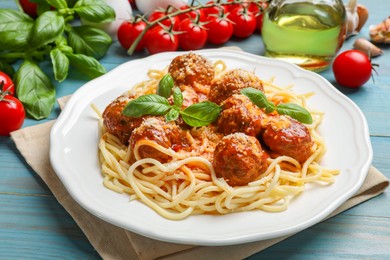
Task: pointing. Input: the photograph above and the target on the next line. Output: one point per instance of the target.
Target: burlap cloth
(112, 242)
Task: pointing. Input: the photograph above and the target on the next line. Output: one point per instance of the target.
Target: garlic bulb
(357, 16)
(148, 6)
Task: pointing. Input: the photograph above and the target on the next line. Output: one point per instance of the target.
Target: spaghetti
(186, 183)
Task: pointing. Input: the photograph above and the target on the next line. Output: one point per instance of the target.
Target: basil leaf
(172, 115)
(42, 7)
(94, 11)
(256, 96)
(147, 105)
(165, 86)
(295, 111)
(62, 44)
(89, 41)
(60, 64)
(177, 97)
(46, 29)
(57, 4)
(87, 65)
(15, 29)
(270, 107)
(34, 90)
(201, 114)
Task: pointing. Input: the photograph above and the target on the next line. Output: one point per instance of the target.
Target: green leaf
(165, 86)
(34, 90)
(270, 107)
(87, 65)
(256, 96)
(201, 114)
(295, 111)
(60, 64)
(15, 29)
(89, 41)
(172, 115)
(42, 7)
(147, 105)
(57, 4)
(177, 97)
(95, 11)
(46, 29)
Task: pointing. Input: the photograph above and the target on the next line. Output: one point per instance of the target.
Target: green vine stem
(192, 7)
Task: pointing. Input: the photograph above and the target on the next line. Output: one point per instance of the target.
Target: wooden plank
(34, 227)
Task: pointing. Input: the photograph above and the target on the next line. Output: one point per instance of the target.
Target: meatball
(287, 136)
(189, 96)
(118, 124)
(239, 159)
(156, 129)
(239, 114)
(192, 70)
(231, 82)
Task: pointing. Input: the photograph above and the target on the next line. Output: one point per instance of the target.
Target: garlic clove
(380, 33)
(357, 16)
(367, 47)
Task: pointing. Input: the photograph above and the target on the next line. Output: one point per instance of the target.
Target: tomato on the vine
(193, 35)
(260, 15)
(159, 39)
(167, 22)
(6, 84)
(220, 30)
(244, 22)
(11, 114)
(215, 10)
(192, 14)
(128, 31)
(352, 68)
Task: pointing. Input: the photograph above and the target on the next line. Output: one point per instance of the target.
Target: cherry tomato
(352, 68)
(167, 22)
(29, 7)
(244, 22)
(252, 7)
(220, 30)
(193, 36)
(215, 10)
(11, 114)
(160, 40)
(192, 14)
(129, 31)
(6, 83)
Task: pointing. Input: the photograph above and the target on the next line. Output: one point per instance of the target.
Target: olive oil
(308, 34)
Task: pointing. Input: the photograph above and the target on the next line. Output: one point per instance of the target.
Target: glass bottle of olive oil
(308, 33)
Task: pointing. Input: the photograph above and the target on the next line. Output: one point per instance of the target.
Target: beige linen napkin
(112, 242)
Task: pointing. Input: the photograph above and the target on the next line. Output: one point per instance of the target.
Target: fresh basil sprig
(52, 36)
(293, 110)
(199, 114)
(165, 86)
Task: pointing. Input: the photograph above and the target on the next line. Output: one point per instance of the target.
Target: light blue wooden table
(34, 225)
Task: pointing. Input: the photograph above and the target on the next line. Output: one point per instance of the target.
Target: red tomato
(161, 40)
(192, 14)
(352, 68)
(29, 8)
(220, 30)
(6, 84)
(244, 22)
(193, 36)
(11, 114)
(215, 10)
(167, 22)
(252, 7)
(128, 32)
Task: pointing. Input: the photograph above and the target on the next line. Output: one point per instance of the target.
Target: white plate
(74, 150)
